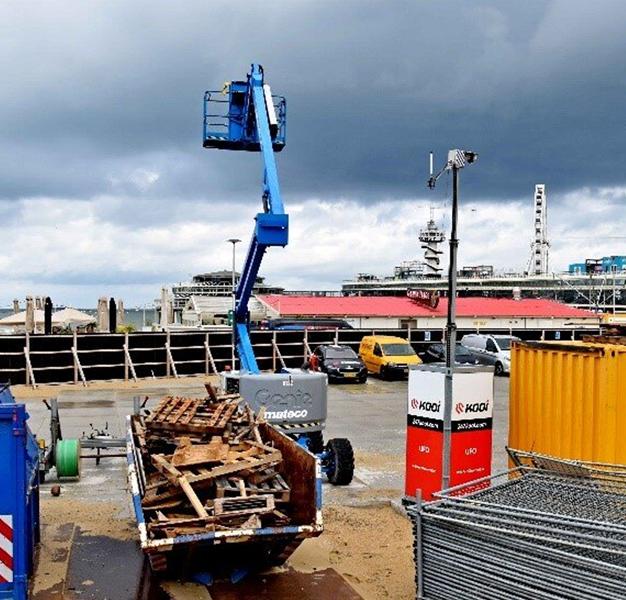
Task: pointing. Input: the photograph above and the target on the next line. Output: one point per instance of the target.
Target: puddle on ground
(86, 403)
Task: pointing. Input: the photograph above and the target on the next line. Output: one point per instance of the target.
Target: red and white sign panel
(472, 411)
(6, 548)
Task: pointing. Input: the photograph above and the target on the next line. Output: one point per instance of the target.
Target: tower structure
(538, 263)
(431, 237)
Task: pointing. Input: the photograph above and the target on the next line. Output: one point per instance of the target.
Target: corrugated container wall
(569, 400)
(19, 498)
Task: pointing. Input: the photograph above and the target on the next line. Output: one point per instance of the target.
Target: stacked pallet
(208, 468)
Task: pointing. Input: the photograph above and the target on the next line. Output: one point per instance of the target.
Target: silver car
(494, 350)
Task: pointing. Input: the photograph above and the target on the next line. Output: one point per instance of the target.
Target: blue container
(577, 269)
(613, 263)
(19, 497)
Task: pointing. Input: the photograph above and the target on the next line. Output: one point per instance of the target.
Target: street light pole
(234, 242)
(457, 159)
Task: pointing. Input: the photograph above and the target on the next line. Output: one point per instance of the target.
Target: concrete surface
(372, 416)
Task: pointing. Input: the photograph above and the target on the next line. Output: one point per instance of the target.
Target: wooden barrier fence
(79, 359)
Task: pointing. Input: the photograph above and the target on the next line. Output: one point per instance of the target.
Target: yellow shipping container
(568, 399)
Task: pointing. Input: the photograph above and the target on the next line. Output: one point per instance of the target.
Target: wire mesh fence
(557, 532)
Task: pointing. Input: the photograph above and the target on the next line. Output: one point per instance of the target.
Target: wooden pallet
(189, 416)
(174, 410)
(231, 486)
(208, 468)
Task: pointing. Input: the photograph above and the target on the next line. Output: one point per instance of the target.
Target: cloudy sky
(105, 188)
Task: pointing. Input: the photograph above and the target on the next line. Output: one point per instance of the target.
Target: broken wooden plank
(232, 486)
(187, 454)
(193, 498)
(211, 391)
(172, 474)
(261, 476)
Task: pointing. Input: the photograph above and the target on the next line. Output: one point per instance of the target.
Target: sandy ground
(371, 547)
(22, 392)
(365, 539)
(60, 516)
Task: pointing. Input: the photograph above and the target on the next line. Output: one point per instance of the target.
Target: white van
(492, 350)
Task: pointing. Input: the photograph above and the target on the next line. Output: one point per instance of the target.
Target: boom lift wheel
(338, 461)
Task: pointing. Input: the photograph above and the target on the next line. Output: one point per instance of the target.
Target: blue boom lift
(252, 119)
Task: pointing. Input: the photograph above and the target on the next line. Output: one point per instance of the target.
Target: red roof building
(399, 312)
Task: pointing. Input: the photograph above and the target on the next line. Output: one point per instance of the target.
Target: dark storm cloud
(97, 94)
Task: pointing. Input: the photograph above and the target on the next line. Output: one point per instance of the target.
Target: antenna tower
(431, 237)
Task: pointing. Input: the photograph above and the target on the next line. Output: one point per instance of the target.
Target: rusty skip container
(241, 547)
(568, 400)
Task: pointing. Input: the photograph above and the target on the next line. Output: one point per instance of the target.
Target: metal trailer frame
(288, 537)
(19, 498)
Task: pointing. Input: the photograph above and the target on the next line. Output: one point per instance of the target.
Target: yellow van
(387, 355)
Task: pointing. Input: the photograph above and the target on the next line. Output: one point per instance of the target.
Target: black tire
(340, 461)
(383, 373)
(498, 370)
(316, 442)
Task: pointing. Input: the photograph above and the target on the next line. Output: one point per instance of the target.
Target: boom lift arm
(254, 123)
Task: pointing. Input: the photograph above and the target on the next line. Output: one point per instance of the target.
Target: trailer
(202, 555)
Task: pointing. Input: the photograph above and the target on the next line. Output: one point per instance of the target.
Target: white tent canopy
(65, 317)
(20, 318)
(71, 316)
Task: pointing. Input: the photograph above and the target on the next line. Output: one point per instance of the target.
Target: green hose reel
(68, 458)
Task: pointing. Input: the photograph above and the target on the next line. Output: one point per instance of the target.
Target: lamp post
(234, 242)
(457, 159)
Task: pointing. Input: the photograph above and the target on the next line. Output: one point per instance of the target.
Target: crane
(295, 400)
(256, 121)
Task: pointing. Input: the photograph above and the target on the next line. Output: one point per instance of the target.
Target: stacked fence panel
(529, 534)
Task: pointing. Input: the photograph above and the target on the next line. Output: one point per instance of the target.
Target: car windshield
(398, 350)
(505, 343)
(335, 353)
(462, 351)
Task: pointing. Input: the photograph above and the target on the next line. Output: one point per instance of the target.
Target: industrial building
(596, 284)
(391, 312)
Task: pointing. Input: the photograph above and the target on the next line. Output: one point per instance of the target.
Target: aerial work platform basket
(229, 123)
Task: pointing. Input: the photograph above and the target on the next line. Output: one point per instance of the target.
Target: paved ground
(372, 416)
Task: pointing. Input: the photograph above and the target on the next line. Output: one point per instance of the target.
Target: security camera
(470, 157)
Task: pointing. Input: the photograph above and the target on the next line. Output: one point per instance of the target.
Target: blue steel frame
(136, 478)
(19, 496)
(248, 128)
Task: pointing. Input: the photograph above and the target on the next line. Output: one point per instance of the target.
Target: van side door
(377, 358)
(365, 352)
